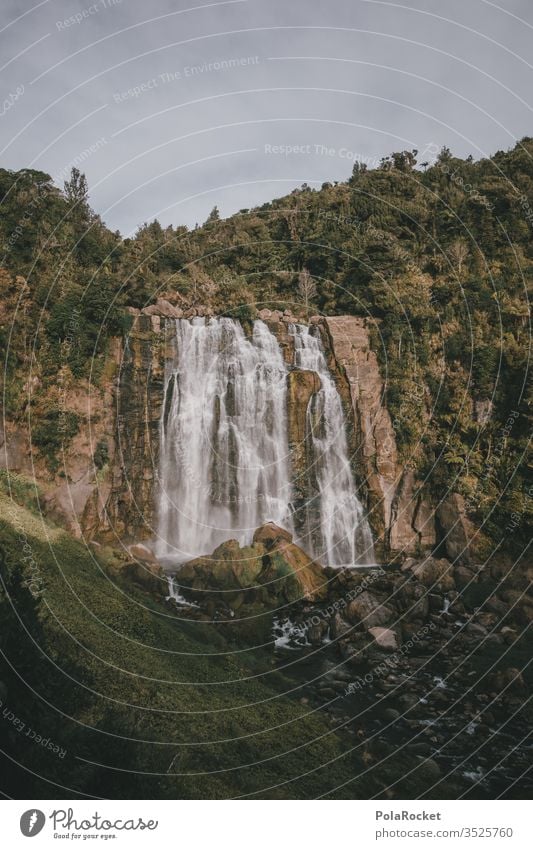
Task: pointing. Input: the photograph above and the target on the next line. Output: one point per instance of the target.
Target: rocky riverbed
(427, 660)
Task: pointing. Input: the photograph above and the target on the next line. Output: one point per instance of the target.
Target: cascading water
(224, 453)
(337, 529)
(224, 465)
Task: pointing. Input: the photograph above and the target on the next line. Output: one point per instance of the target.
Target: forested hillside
(439, 254)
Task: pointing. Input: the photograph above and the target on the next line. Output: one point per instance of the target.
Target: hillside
(439, 257)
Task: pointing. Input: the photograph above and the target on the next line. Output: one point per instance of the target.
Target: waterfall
(224, 466)
(340, 534)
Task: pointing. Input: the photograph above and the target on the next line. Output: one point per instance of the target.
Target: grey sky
(341, 79)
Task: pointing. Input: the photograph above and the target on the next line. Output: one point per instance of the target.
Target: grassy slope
(122, 663)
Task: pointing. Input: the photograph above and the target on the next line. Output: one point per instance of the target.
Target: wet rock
(510, 678)
(270, 534)
(390, 714)
(463, 577)
(273, 567)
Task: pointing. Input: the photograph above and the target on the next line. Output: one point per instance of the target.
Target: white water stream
(224, 455)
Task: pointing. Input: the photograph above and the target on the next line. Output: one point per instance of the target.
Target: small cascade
(336, 531)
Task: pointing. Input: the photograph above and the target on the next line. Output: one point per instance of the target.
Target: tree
(214, 215)
(76, 189)
(306, 288)
(458, 253)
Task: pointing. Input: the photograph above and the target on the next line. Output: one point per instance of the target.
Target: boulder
(339, 627)
(141, 552)
(142, 569)
(433, 573)
(297, 575)
(368, 610)
(169, 310)
(386, 638)
(230, 567)
(270, 534)
(264, 314)
(272, 566)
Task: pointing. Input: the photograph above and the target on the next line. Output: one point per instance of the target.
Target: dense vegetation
(439, 255)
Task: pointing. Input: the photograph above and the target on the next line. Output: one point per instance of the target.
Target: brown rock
(457, 530)
(141, 552)
(273, 563)
(302, 385)
(270, 534)
(369, 610)
(386, 638)
(437, 574)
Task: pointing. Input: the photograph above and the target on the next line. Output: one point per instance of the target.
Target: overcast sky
(173, 107)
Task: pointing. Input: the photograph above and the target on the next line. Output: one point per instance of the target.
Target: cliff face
(138, 401)
(116, 500)
(400, 511)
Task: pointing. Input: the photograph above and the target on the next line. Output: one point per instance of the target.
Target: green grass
(119, 662)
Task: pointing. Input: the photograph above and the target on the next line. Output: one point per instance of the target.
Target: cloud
(188, 101)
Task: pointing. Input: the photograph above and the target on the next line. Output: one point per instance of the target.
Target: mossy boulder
(273, 568)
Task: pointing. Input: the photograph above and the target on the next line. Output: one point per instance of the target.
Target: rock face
(456, 530)
(273, 568)
(139, 396)
(119, 498)
(74, 497)
(301, 386)
(400, 514)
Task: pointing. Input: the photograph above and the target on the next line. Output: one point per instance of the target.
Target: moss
(117, 661)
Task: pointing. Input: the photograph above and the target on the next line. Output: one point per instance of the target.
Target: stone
(456, 529)
(141, 552)
(463, 577)
(412, 523)
(390, 714)
(270, 534)
(264, 314)
(301, 386)
(368, 610)
(386, 638)
(272, 564)
(300, 577)
(339, 626)
(433, 573)
(163, 308)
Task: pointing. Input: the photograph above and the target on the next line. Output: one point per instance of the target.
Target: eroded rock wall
(400, 511)
(139, 396)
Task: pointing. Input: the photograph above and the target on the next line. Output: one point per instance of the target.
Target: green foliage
(440, 256)
(52, 433)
